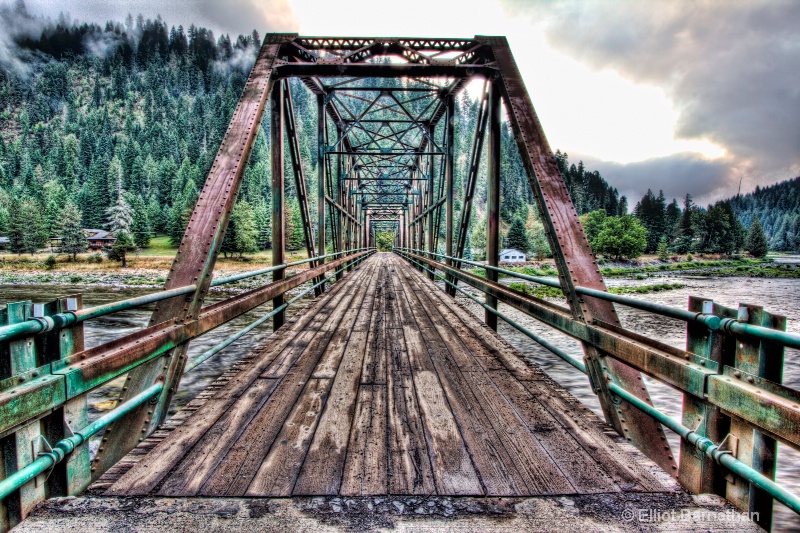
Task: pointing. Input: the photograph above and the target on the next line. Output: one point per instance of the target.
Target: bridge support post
(493, 198)
(448, 179)
(278, 207)
(72, 475)
(321, 177)
(429, 204)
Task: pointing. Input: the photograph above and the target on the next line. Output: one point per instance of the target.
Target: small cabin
(99, 239)
(512, 255)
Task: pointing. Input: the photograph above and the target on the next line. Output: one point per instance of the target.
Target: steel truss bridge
(398, 380)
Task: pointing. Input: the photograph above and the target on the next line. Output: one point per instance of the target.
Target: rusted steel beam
(384, 70)
(448, 176)
(277, 135)
(340, 208)
(196, 256)
(297, 167)
(574, 259)
(321, 171)
(493, 198)
(472, 180)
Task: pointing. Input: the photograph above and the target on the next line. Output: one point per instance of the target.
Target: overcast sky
(681, 96)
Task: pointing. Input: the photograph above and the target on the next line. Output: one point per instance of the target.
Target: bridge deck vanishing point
(384, 386)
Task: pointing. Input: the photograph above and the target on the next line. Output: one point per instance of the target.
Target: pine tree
(73, 240)
(120, 215)
(140, 226)
(479, 238)
(685, 229)
(541, 248)
(263, 220)
(122, 245)
(5, 220)
(17, 226)
(756, 243)
(241, 234)
(28, 230)
(663, 249)
(295, 236)
(517, 237)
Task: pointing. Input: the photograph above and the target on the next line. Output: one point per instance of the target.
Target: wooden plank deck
(383, 386)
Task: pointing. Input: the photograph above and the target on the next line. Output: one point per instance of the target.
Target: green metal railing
(787, 398)
(31, 393)
(712, 322)
(44, 324)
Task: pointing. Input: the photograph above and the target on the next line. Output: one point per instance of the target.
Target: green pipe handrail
(703, 444)
(64, 447)
(40, 325)
(712, 322)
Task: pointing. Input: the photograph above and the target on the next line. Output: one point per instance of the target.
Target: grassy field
(157, 257)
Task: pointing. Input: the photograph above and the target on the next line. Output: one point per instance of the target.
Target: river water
(779, 296)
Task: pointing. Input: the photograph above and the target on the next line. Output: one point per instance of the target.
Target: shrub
(50, 262)
(95, 258)
(689, 257)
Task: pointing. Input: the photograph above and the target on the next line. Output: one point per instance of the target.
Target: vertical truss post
(493, 198)
(429, 204)
(448, 178)
(420, 229)
(278, 207)
(72, 475)
(472, 179)
(297, 170)
(339, 238)
(365, 223)
(321, 177)
(576, 263)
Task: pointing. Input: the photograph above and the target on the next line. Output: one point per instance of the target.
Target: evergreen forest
(115, 127)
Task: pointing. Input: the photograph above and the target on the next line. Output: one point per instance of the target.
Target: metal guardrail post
(754, 360)
(20, 448)
(697, 472)
(72, 475)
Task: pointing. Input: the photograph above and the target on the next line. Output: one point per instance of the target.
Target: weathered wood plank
(236, 470)
(322, 470)
(507, 457)
(453, 469)
(374, 368)
(365, 468)
(409, 466)
(278, 471)
(204, 458)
